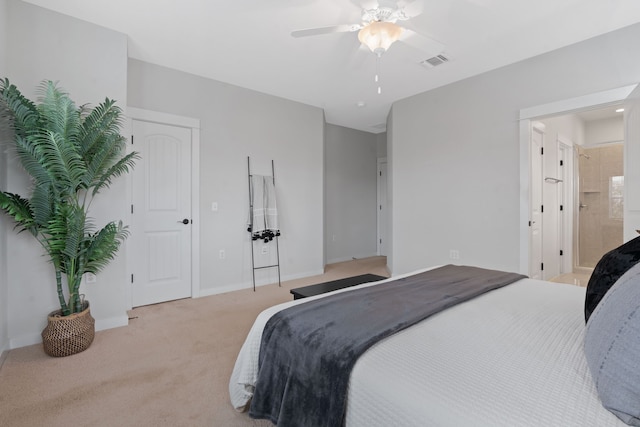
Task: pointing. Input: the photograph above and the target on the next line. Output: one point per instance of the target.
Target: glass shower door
(600, 210)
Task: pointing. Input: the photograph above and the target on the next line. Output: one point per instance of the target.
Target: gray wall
(351, 193)
(454, 151)
(4, 304)
(382, 144)
(90, 63)
(236, 123)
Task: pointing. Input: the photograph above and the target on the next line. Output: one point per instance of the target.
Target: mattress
(511, 357)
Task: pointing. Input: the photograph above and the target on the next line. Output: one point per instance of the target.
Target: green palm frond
(58, 113)
(64, 162)
(17, 111)
(104, 245)
(31, 158)
(56, 237)
(43, 201)
(104, 119)
(123, 166)
(110, 151)
(76, 229)
(20, 210)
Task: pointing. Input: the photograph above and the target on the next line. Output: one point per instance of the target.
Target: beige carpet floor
(169, 367)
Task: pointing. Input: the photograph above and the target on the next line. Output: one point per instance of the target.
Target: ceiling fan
(378, 29)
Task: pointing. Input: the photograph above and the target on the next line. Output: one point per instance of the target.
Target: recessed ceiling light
(619, 110)
(361, 104)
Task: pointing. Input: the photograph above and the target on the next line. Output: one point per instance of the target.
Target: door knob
(184, 221)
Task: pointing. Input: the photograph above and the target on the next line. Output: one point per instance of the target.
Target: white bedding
(511, 357)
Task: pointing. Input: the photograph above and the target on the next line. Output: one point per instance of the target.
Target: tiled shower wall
(600, 213)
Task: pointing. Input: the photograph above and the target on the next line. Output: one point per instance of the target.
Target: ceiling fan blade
(326, 30)
(421, 42)
(412, 8)
(365, 4)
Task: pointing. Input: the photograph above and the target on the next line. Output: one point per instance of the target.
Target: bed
(513, 356)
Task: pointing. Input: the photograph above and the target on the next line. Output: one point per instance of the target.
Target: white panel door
(565, 231)
(535, 229)
(161, 213)
(382, 209)
(551, 189)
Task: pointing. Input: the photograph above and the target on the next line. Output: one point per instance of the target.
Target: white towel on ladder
(263, 199)
(271, 209)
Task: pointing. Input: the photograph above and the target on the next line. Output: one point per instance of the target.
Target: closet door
(161, 213)
(535, 218)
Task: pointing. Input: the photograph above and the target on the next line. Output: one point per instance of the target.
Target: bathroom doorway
(629, 135)
(583, 189)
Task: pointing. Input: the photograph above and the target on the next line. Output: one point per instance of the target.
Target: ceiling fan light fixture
(379, 35)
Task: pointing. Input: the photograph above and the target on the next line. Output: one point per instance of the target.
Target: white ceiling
(608, 112)
(248, 43)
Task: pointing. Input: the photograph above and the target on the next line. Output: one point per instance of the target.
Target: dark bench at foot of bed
(321, 288)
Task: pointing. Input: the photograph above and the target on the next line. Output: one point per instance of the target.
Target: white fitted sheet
(511, 357)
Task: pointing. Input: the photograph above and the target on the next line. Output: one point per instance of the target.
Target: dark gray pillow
(612, 347)
(609, 269)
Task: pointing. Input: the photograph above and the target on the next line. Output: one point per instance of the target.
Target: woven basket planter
(67, 335)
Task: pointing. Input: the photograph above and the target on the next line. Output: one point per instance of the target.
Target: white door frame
(565, 145)
(134, 113)
(600, 99)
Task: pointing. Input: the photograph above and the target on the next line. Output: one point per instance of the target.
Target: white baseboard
(249, 284)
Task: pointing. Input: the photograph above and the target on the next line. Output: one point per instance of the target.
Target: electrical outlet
(454, 254)
(264, 250)
(90, 278)
(223, 254)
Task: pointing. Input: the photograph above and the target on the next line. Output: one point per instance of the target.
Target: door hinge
(561, 162)
(380, 173)
(131, 208)
(541, 208)
(529, 223)
(380, 207)
(561, 207)
(380, 241)
(132, 278)
(131, 139)
(542, 266)
(561, 252)
(541, 150)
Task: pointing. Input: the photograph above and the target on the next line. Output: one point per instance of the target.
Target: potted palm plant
(71, 153)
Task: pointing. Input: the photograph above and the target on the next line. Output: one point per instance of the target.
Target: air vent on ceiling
(434, 61)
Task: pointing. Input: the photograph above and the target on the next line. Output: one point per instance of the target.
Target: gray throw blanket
(308, 350)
